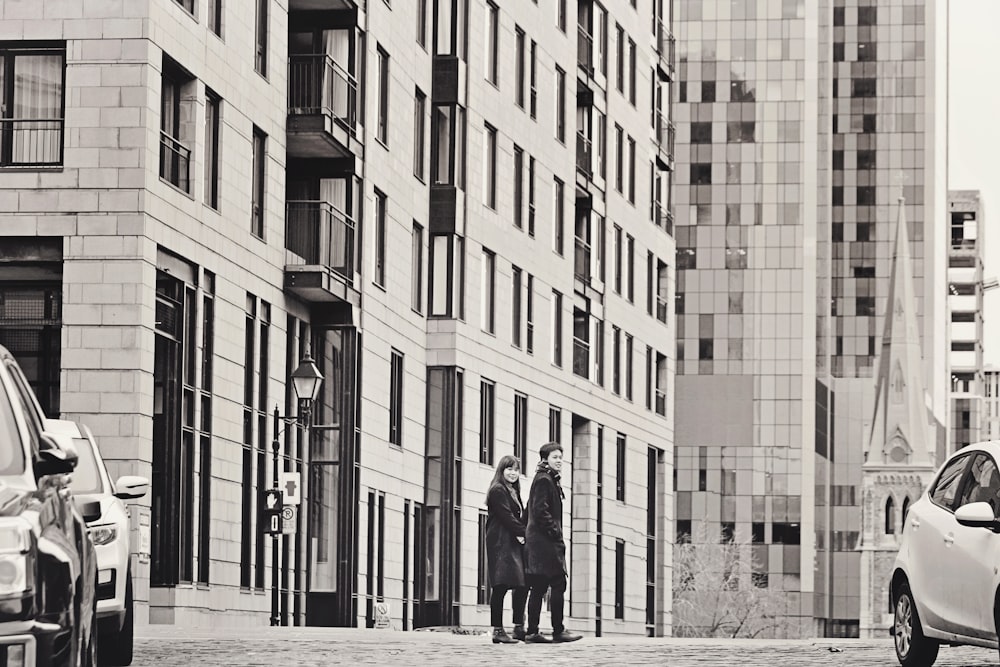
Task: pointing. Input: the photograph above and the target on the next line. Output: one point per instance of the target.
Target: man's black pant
(518, 597)
(540, 584)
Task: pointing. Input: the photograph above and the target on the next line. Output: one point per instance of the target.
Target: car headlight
(103, 534)
(16, 568)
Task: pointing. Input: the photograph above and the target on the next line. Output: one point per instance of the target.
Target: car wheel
(116, 647)
(913, 649)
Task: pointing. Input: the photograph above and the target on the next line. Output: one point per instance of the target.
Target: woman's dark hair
(507, 461)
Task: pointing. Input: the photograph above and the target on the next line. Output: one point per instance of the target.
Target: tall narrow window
(422, 23)
(483, 585)
(380, 232)
(660, 368)
(560, 104)
(186, 4)
(396, 398)
(618, 235)
(419, 115)
(530, 316)
(662, 275)
(215, 16)
(531, 196)
(32, 106)
(488, 293)
(533, 84)
(598, 336)
(382, 130)
(558, 215)
(493, 43)
(620, 62)
(616, 360)
(448, 145)
(175, 154)
(628, 366)
(515, 307)
(619, 579)
(631, 170)
(487, 410)
(519, 69)
(259, 175)
(263, 442)
(213, 107)
(620, 454)
(619, 158)
(649, 378)
(205, 463)
(247, 485)
(581, 343)
(520, 426)
(518, 187)
(561, 14)
(555, 424)
(260, 61)
(630, 266)
(490, 166)
(631, 71)
(417, 268)
(557, 333)
(650, 281)
(653, 456)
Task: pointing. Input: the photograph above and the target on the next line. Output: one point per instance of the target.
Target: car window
(86, 476)
(28, 404)
(982, 484)
(947, 483)
(11, 450)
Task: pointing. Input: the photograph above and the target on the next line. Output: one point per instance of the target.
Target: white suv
(944, 587)
(110, 533)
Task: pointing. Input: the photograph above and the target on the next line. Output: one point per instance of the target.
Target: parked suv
(48, 567)
(945, 588)
(109, 530)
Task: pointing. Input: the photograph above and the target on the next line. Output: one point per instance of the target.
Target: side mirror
(91, 511)
(977, 515)
(53, 459)
(131, 486)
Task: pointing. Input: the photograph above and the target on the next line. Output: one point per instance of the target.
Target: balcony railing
(585, 49)
(581, 262)
(581, 357)
(666, 45)
(665, 134)
(664, 218)
(583, 159)
(661, 402)
(320, 234)
(31, 141)
(175, 162)
(318, 85)
(661, 308)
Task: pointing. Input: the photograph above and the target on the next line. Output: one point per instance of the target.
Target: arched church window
(890, 516)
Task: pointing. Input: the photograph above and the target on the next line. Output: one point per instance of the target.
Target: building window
(618, 250)
(249, 364)
(616, 360)
(619, 158)
(628, 367)
(260, 60)
(215, 16)
(259, 176)
(205, 468)
(620, 72)
(519, 71)
(450, 27)
(417, 268)
(533, 77)
(487, 295)
(631, 71)
(561, 14)
(620, 451)
(531, 196)
(396, 398)
(380, 233)
(518, 187)
(581, 343)
(487, 407)
(263, 441)
(598, 335)
(520, 426)
(447, 276)
(515, 302)
(660, 368)
(630, 266)
(530, 316)
(662, 276)
(175, 155)
(213, 106)
(650, 290)
(631, 170)
(382, 130)
(493, 46)
(422, 23)
(448, 146)
(619, 579)
(560, 104)
(557, 334)
(419, 111)
(483, 585)
(490, 166)
(555, 424)
(187, 5)
(558, 216)
(32, 114)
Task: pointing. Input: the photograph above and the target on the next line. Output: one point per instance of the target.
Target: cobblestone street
(170, 645)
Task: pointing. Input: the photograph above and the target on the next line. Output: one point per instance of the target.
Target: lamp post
(306, 380)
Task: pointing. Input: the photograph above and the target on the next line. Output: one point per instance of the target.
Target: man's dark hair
(547, 449)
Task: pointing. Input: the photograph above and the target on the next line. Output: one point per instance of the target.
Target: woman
(504, 547)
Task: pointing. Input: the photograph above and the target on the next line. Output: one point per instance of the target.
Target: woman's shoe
(500, 636)
(519, 632)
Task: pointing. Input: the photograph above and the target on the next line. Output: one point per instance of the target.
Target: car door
(930, 561)
(974, 553)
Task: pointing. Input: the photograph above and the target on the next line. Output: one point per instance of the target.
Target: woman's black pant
(519, 598)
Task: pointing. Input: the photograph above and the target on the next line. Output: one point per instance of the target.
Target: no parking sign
(382, 615)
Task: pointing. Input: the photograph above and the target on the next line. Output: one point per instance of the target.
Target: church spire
(900, 434)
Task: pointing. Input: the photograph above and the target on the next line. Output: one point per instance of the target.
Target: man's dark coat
(544, 543)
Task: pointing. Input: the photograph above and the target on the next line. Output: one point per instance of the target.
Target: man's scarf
(543, 466)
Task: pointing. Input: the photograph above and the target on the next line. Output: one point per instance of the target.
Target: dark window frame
(8, 60)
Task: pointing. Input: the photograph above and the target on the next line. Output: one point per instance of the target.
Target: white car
(110, 534)
(945, 586)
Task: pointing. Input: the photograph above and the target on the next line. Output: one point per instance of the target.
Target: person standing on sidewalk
(546, 549)
(504, 548)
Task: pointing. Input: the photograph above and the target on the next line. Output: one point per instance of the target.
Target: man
(546, 550)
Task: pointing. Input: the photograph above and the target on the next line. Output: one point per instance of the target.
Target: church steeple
(900, 434)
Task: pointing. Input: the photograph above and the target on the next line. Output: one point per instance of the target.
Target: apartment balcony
(581, 261)
(322, 109)
(665, 133)
(666, 46)
(326, 5)
(584, 159)
(663, 217)
(584, 52)
(320, 244)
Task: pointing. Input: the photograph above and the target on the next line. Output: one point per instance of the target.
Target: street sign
(288, 513)
(382, 617)
(270, 512)
(291, 486)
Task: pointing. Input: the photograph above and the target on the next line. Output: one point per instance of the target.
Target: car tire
(913, 648)
(116, 647)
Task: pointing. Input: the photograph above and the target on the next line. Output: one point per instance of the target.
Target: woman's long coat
(544, 542)
(504, 524)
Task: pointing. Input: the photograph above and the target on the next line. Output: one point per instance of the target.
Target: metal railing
(581, 260)
(661, 308)
(666, 45)
(581, 357)
(665, 134)
(585, 49)
(320, 234)
(317, 84)
(175, 162)
(664, 217)
(31, 141)
(661, 402)
(583, 159)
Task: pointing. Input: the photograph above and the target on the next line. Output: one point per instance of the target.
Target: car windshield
(86, 476)
(11, 451)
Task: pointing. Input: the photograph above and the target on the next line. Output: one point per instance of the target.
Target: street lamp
(306, 380)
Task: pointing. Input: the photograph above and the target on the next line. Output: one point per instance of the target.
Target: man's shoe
(519, 632)
(537, 638)
(500, 636)
(565, 636)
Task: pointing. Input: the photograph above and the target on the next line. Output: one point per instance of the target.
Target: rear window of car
(86, 476)
(946, 486)
(11, 449)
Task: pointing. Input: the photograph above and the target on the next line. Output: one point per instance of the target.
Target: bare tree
(718, 591)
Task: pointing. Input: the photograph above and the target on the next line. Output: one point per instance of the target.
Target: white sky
(974, 134)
